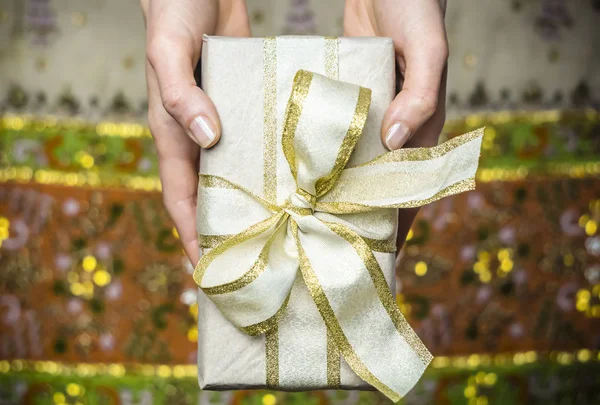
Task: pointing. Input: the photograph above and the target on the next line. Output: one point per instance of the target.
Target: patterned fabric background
(503, 279)
(87, 57)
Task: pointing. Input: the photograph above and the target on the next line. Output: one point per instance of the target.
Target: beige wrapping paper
(246, 78)
(297, 217)
(249, 81)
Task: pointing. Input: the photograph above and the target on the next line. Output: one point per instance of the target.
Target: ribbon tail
(249, 276)
(407, 178)
(359, 310)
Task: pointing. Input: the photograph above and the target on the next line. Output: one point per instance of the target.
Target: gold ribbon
(328, 229)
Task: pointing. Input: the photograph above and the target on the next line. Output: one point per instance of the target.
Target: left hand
(181, 116)
(416, 116)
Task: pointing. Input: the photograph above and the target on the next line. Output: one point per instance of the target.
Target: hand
(417, 114)
(180, 115)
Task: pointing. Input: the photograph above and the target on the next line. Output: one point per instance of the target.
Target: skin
(419, 34)
(173, 47)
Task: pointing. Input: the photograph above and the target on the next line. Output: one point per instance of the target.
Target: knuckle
(168, 204)
(158, 46)
(172, 97)
(441, 50)
(153, 51)
(426, 103)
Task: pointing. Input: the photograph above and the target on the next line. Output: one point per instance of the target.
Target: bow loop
(323, 122)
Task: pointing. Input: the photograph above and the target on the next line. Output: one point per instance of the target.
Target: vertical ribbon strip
(249, 274)
(270, 180)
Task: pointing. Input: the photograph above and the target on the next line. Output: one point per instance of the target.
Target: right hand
(180, 114)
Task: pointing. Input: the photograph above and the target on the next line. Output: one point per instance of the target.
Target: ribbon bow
(328, 229)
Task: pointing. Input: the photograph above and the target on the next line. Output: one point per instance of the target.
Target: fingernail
(201, 131)
(397, 136)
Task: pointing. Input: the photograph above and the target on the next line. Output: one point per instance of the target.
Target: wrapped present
(297, 217)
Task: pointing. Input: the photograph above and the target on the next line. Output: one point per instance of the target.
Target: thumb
(417, 101)
(181, 97)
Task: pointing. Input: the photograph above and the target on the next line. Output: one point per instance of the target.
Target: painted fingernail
(201, 131)
(397, 136)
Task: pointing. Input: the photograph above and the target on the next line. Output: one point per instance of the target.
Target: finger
(145, 4)
(428, 134)
(423, 58)
(233, 19)
(180, 182)
(417, 101)
(178, 162)
(173, 62)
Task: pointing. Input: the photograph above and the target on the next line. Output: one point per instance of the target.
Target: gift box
(297, 217)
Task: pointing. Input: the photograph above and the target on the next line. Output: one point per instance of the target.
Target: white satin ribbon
(327, 229)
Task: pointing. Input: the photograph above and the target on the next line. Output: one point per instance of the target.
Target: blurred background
(97, 302)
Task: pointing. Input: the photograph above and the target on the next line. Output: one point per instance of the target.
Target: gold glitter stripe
(213, 181)
(270, 180)
(324, 307)
(270, 118)
(332, 57)
(302, 82)
(332, 72)
(272, 356)
(333, 363)
(257, 268)
(246, 234)
(268, 324)
(212, 241)
(383, 290)
(333, 354)
(353, 208)
(417, 154)
(376, 245)
(324, 184)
